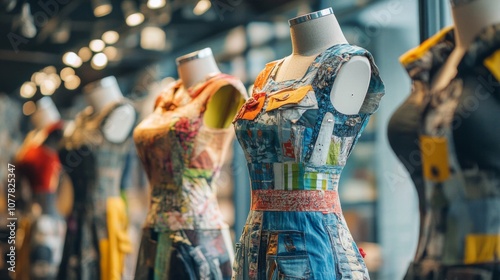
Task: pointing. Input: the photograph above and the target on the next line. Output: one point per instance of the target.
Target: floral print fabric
(296, 144)
(182, 156)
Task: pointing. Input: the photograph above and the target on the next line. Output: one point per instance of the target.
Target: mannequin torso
(311, 38)
(469, 19)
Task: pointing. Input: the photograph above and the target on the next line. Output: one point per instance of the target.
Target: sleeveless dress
(296, 144)
(184, 236)
(96, 239)
(42, 247)
(454, 157)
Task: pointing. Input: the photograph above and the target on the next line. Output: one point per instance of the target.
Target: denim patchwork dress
(452, 142)
(296, 144)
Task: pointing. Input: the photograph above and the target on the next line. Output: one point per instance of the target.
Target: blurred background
(55, 47)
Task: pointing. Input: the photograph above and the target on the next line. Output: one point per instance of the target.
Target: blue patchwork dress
(296, 144)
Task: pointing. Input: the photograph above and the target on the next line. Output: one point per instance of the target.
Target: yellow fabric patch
(263, 75)
(481, 248)
(434, 151)
(112, 250)
(287, 97)
(419, 51)
(493, 64)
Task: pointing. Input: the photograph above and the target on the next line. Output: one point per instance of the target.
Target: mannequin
(312, 37)
(94, 154)
(297, 131)
(182, 146)
(469, 19)
(39, 163)
(104, 93)
(458, 157)
(196, 66)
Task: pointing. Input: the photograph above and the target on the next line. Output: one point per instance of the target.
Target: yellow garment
(419, 51)
(287, 97)
(434, 151)
(493, 64)
(481, 248)
(112, 250)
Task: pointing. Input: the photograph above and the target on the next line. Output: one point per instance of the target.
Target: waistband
(293, 176)
(300, 201)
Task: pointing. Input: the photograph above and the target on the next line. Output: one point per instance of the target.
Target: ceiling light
(111, 53)
(85, 54)
(48, 87)
(153, 38)
(66, 72)
(55, 79)
(202, 7)
(110, 37)
(99, 61)
(132, 16)
(101, 7)
(97, 45)
(39, 78)
(72, 59)
(62, 33)
(29, 108)
(49, 70)
(28, 89)
(72, 82)
(156, 4)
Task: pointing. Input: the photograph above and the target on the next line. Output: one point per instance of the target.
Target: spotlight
(202, 7)
(99, 61)
(110, 37)
(102, 7)
(132, 16)
(72, 59)
(85, 54)
(156, 4)
(97, 45)
(28, 89)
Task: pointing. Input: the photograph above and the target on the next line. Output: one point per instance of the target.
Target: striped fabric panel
(291, 176)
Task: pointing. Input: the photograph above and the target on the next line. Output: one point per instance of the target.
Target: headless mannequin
(120, 121)
(469, 19)
(45, 116)
(310, 38)
(196, 67)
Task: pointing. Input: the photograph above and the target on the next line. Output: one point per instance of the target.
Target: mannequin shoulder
(350, 87)
(118, 124)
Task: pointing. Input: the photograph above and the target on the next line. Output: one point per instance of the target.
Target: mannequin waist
(293, 176)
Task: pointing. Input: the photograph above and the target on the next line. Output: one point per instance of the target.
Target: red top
(40, 164)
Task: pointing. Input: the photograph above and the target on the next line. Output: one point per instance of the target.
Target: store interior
(63, 50)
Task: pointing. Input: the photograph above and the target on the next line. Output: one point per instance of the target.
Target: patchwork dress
(452, 141)
(184, 236)
(296, 144)
(38, 161)
(96, 240)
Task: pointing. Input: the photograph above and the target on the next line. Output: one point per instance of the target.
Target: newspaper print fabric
(295, 141)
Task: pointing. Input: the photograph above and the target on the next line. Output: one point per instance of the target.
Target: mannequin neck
(195, 71)
(314, 36)
(103, 93)
(46, 114)
(471, 18)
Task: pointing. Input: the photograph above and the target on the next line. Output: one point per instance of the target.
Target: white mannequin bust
(46, 113)
(313, 33)
(195, 67)
(104, 93)
(469, 19)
